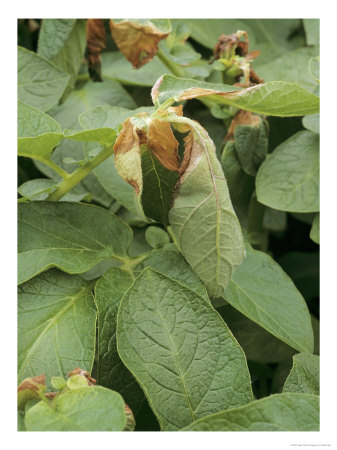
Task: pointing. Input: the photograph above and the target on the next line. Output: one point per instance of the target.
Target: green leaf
(103, 136)
(288, 179)
(158, 186)
(111, 372)
(40, 83)
(73, 237)
(304, 375)
(202, 217)
(56, 325)
(116, 67)
(279, 412)
(40, 188)
(170, 263)
(63, 42)
(258, 345)
(263, 292)
(84, 409)
(314, 232)
(274, 98)
(180, 351)
(156, 237)
(311, 28)
(251, 145)
(311, 123)
(290, 66)
(38, 133)
(53, 36)
(274, 220)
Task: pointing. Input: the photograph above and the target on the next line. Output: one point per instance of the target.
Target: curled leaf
(96, 42)
(202, 217)
(137, 40)
(242, 118)
(30, 389)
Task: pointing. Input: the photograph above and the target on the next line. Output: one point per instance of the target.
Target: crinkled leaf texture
(71, 236)
(274, 98)
(304, 375)
(263, 292)
(288, 179)
(279, 412)
(180, 351)
(202, 217)
(40, 83)
(91, 408)
(56, 325)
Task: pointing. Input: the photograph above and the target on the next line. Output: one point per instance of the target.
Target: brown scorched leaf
(137, 41)
(29, 389)
(96, 42)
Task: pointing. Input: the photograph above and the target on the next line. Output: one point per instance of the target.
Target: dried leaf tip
(96, 42)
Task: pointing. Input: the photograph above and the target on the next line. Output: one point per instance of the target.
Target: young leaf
(138, 39)
(311, 123)
(279, 412)
(314, 232)
(73, 237)
(263, 292)
(202, 217)
(56, 325)
(103, 136)
(275, 98)
(40, 188)
(111, 372)
(180, 351)
(288, 179)
(38, 133)
(304, 375)
(40, 83)
(156, 237)
(84, 409)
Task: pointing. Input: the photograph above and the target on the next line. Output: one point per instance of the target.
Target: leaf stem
(174, 68)
(73, 179)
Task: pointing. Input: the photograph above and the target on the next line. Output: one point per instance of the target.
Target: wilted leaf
(138, 39)
(30, 389)
(96, 42)
(202, 217)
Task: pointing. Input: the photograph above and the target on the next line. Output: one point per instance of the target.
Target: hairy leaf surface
(73, 237)
(180, 351)
(279, 412)
(304, 375)
(263, 292)
(56, 325)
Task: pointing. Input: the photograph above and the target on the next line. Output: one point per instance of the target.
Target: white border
(326, 11)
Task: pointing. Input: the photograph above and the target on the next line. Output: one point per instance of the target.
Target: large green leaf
(274, 98)
(263, 292)
(289, 177)
(304, 375)
(311, 28)
(73, 237)
(279, 412)
(202, 217)
(40, 83)
(180, 351)
(104, 136)
(38, 133)
(63, 42)
(83, 409)
(110, 371)
(56, 325)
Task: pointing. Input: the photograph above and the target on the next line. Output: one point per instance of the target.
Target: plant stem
(174, 68)
(73, 179)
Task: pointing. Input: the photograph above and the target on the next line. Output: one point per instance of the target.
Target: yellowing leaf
(137, 41)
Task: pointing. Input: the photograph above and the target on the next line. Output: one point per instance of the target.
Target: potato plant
(168, 225)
